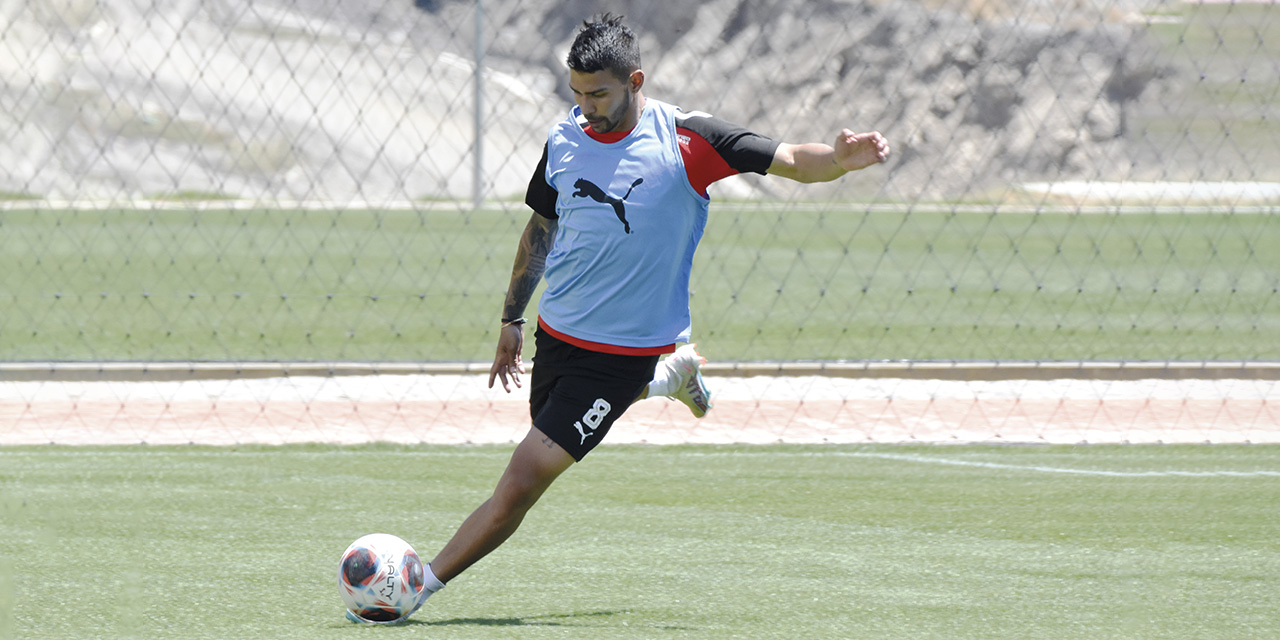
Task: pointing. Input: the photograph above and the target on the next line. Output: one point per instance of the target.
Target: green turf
(795, 284)
(911, 542)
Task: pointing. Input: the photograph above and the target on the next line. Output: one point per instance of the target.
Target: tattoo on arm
(531, 261)
(549, 442)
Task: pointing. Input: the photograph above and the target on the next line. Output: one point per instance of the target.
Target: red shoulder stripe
(701, 160)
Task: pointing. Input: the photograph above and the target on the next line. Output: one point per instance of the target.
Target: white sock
(429, 579)
(664, 381)
(430, 585)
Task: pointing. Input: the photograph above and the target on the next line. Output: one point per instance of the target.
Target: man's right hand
(507, 364)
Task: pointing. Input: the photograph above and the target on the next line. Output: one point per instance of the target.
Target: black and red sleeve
(541, 196)
(717, 149)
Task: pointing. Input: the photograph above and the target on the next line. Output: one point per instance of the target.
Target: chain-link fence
(365, 103)
(338, 181)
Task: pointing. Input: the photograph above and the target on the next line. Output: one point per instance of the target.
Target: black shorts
(576, 394)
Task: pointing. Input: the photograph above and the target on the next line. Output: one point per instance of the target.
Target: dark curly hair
(605, 43)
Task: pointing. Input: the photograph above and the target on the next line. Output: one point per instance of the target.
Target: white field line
(772, 453)
(1063, 470)
(937, 460)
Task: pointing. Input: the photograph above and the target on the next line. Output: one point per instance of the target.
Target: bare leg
(536, 463)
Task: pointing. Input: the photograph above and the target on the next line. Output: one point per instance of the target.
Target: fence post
(477, 183)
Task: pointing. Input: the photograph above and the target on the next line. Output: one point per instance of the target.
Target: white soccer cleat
(351, 617)
(426, 593)
(686, 366)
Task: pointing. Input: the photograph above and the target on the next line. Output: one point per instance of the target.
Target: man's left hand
(859, 150)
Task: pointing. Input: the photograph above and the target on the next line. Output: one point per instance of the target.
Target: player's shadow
(581, 619)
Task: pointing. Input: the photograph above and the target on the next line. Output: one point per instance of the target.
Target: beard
(610, 122)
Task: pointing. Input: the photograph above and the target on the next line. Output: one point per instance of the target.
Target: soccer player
(619, 203)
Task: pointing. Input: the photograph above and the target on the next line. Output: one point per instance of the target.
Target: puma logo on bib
(586, 188)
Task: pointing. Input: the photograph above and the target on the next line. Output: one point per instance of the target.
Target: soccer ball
(380, 579)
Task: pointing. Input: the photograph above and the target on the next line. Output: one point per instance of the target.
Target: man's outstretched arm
(817, 162)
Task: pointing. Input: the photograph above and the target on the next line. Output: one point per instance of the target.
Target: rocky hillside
(972, 101)
(348, 101)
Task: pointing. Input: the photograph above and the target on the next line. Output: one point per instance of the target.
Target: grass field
(911, 542)
(807, 283)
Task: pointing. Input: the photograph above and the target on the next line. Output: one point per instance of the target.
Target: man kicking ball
(619, 204)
